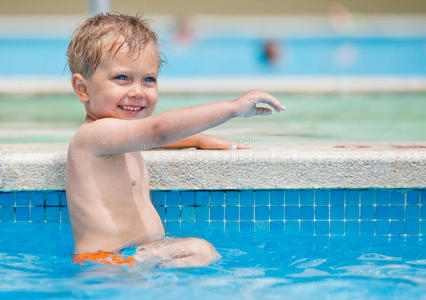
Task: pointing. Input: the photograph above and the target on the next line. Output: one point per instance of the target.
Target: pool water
(36, 263)
(309, 117)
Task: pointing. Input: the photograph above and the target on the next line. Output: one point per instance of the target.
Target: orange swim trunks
(107, 257)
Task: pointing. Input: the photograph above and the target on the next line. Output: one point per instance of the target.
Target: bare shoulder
(91, 133)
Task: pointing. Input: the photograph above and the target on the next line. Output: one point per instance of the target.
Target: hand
(246, 104)
(213, 142)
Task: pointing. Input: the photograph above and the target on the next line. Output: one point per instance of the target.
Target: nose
(136, 91)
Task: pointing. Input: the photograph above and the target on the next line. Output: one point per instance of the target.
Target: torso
(108, 201)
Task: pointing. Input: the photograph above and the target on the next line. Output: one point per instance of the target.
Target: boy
(114, 62)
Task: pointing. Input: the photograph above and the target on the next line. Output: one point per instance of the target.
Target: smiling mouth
(131, 108)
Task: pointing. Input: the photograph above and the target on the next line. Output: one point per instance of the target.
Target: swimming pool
(275, 244)
(344, 223)
(211, 57)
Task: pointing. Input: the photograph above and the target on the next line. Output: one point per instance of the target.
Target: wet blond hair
(86, 48)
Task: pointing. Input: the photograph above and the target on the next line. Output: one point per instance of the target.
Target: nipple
(133, 182)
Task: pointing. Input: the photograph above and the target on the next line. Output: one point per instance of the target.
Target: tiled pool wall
(388, 212)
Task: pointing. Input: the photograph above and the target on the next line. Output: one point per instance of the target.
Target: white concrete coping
(267, 166)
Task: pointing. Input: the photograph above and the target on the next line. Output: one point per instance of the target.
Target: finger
(263, 111)
(276, 105)
(271, 100)
(242, 146)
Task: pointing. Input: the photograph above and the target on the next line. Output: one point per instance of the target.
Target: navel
(133, 182)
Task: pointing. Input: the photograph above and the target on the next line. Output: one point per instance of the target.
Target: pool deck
(266, 166)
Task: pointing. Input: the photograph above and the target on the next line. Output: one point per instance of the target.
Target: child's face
(124, 86)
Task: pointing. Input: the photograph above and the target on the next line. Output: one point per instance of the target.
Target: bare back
(108, 200)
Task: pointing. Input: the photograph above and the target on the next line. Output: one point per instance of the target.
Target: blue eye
(150, 79)
(121, 77)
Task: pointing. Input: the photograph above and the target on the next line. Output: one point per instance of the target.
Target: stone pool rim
(266, 166)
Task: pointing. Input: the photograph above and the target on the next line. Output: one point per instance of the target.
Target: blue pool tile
(337, 197)
(202, 198)
(337, 212)
(397, 212)
(158, 197)
(232, 226)
(173, 198)
(352, 212)
(247, 226)
(37, 214)
(423, 197)
(63, 198)
(367, 212)
(7, 199)
(217, 213)
(37, 198)
(352, 227)
(261, 226)
(261, 197)
(337, 227)
(247, 197)
(276, 226)
(161, 210)
(423, 227)
(7, 214)
(217, 226)
(292, 197)
(22, 198)
(217, 197)
(291, 226)
(322, 213)
(412, 212)
(382, 212)
(202, 213)
(307, 197)
(322, 197)
(65, 217)
(307, 227)
(423, 212)
(322, 227)
(188, 226)
(53, 199)
(247, 213)
(172, 226)
(232, 198)
(368, 227)
(172, 213)
(53, 214)
(292, 213)
(203, 226)
(397, 197)
(277, 197)
(22, 214)
(306, 212)
(413, 197)
(261, 213)
(276, 213)
(352, 197)
(382, 227)
(382, 197)
(188, 213)
(368, 197)
(187, 198)
(396, 227)
(232, 213)
(412, 227)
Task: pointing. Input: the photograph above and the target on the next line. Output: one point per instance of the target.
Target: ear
(79, 84)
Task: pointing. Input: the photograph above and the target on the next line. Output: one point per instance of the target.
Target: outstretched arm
(112, 136)
(205, 141)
